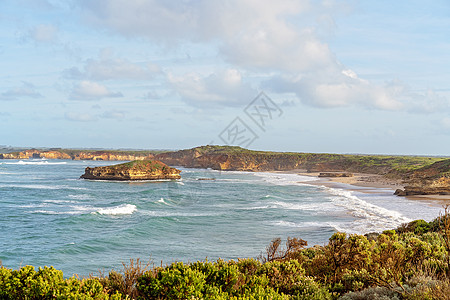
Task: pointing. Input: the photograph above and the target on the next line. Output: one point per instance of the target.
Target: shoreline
(367, 183)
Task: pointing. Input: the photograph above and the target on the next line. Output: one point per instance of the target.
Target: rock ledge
(134, 170)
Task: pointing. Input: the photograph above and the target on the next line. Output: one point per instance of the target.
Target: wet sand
(371, 183)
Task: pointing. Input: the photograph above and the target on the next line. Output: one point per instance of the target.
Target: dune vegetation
(410, 262)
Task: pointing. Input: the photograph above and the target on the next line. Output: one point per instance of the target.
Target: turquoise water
(50, 217)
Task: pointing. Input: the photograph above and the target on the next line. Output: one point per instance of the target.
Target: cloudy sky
(287, 75)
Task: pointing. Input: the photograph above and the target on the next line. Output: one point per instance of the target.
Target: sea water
(48, 216)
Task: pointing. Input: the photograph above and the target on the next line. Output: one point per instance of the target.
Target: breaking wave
(123, 209)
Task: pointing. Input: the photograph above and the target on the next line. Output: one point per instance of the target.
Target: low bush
(48, 283)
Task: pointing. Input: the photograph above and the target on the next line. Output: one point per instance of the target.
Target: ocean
(48, 216)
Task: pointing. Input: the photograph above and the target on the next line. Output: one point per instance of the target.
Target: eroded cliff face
(239, 159)
(36, 154)
(135, 170)
(430, 180)
(54, 155)
(95, 155)
(193, 158)
(103, 155)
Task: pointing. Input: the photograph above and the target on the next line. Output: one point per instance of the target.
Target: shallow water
(50, 217)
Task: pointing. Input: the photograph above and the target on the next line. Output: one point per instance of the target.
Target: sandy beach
(372, 183)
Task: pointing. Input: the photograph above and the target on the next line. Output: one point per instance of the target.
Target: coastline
(367, 183)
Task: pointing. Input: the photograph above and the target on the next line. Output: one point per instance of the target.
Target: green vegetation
(142, 165)
(411, 262)
(395, 166)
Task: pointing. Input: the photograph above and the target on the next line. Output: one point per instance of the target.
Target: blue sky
(339, 76)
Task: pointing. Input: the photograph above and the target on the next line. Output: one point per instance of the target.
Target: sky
(287, 75)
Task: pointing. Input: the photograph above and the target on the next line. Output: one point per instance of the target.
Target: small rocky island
(134, 170)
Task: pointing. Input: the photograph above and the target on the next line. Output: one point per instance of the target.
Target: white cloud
(27, 90)
(80, 117)
(282, 38)
(89, 90)
(107, 68)
(224, 88)
(254, 34)
(339, 89)
(114, 114)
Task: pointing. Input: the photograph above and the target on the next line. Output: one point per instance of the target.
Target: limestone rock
(335, 174)
(134, 170)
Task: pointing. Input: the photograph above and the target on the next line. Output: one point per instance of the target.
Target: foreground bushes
(411, 262)
(48, 283)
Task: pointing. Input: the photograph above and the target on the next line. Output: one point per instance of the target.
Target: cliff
(229, 158)
(135, 170)
(80, 155)
(428, 180)
(104, 155)
(239, 159)
(428, 173)
(424, 175)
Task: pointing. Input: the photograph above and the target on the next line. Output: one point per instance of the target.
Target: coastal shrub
(353, 263)
(125, 283)
(242, 279)
(177, 281)
(48, 283)
(372, 293)
(417, 227)
(292, 250)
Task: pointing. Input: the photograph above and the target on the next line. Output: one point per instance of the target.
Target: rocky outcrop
(429, 180)
(54, 155)
(77, 155)
(335, 174)
(230, 158)
(104, 155)
(422, 190)
(440, 186)
(135, 170)
(33, 153)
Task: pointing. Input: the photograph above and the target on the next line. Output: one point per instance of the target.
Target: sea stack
(134, 170)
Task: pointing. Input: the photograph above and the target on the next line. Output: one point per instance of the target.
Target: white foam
(370, 217)
(52, 212)
(41, 186)
(123, 209)
(162, 201)
(80, 196)
(31, 186)
(177, 214)
(59, 201)
(42, 162)
(285, 224)
(33, 205)
(323, 206)
(284, 178)
(303, 224)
